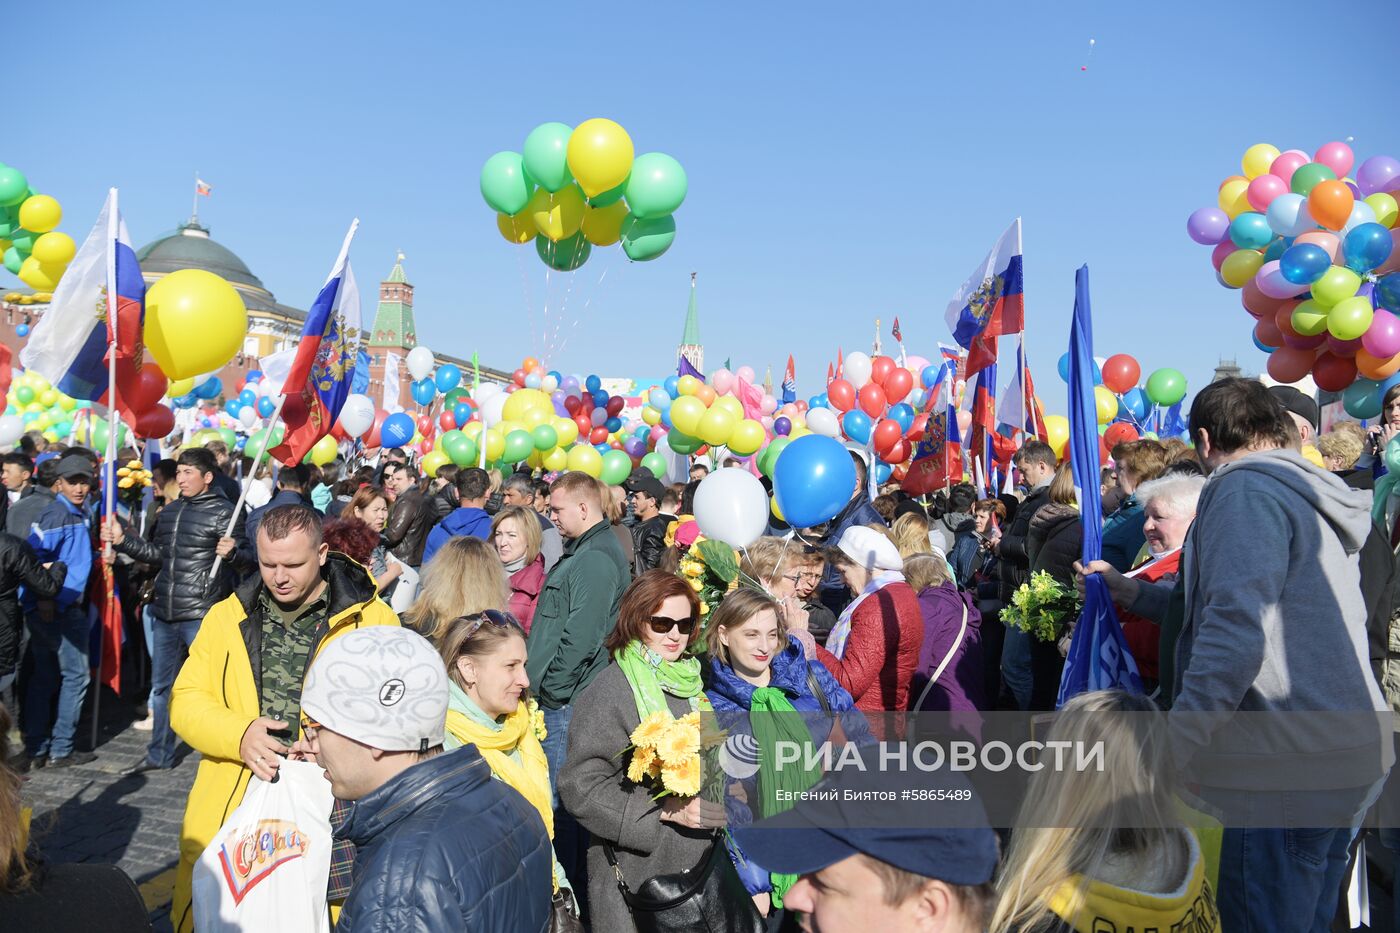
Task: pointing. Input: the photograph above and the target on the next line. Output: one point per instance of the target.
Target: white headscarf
(867, 548)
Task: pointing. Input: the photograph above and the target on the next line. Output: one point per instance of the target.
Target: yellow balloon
(558, 215)
(748, 435)
(495, 444)
(522, 400)
(516, 228)
(1105, 404)
(556, 459)
(179, 387)
(1382, 203)
(195, 322)
(1240, 266)
(730, 404)
(567, 430)
(686, 385)
(433, 460)
(1057, 433)
(48, 398)
(4, 245)
(325, 450)
(506, 426)
(777, 512)
(599, 155)
(536, 417)
(40, 213)
(40, 276)
(1232, 198)
(54, 248)
(473, 429)
(584, 459)
(686, 413)
(797, 431)
(715, 426)
(650, 416)
(1257, 159)
(602, 226)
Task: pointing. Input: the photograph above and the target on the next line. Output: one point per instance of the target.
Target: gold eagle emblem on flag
(984, 300)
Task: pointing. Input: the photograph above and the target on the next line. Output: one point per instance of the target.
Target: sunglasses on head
(492, 616)
(662, 625)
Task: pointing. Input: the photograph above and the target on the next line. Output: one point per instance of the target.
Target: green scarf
(651, 677)
(774, 720)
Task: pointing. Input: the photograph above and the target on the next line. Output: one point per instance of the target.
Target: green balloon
(769, 458)
(656, 463)
(459, 448)
(24, 395)
(23, 241)
(546, 156)
(13, 260)
(617, 465)
(1307, 177)
(9, 222)
(229, 438)
(656, 187)
(643, 240)
(450, 400)
(13, 186)
(1166, 387)
(611, 196)
(683, 443)
(503, 183)
(545, 437)
(565, 255)
(519, 445)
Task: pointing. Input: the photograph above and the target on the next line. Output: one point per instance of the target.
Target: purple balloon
(1208, 225)
(1300, 342)
(634, 447)
(1377, 173)
(1343, 347)
(781, 426)
(1271, 282)
(1382, 339)
(599, 417)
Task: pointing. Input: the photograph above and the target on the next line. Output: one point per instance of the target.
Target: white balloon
(247, 416)
(357, 416)
(731, 506)
(1361, 213)
(549, 383)
(11, 429)
(493, 409)
(487, 390)
(856, 369)
(420, 362)
(823, 421)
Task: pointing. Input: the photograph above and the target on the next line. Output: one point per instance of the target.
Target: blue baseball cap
(926, 823)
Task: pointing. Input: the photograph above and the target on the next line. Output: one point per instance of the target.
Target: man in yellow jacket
(237, 700)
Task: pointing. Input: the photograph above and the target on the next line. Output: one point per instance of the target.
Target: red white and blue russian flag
(789, 382)
(990, 302)
(318, 373)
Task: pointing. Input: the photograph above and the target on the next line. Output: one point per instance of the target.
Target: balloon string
(527, 294)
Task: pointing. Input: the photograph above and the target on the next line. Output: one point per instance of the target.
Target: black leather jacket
(19, 566)
(410, 519)
(184, 539)
(648, 543)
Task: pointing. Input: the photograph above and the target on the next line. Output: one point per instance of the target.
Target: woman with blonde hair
(911, 535)
(465, 577)
(1105, 848)
(515, 533)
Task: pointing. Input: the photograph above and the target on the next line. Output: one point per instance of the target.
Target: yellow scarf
(530, 776)
(1097, 905)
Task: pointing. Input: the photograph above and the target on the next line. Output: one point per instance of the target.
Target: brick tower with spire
(690, 346)
(393, 332)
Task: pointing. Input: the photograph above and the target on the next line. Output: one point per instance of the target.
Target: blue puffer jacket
(442, 847)
(732, 696)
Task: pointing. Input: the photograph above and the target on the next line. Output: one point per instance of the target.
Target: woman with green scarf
(760, 683)
(651, 673)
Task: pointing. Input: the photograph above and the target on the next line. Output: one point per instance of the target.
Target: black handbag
(708, 898)
(563, 916)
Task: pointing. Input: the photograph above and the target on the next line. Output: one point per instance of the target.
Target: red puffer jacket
(882, 652)
(525, 586)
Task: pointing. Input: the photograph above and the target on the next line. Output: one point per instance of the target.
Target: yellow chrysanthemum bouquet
(133, 480)
(668, 753)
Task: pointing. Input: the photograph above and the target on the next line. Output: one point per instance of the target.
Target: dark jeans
(60, 653)
(570, 839)
(170, 642)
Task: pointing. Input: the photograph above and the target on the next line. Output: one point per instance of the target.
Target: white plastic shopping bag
(267, 867)
(406, 588)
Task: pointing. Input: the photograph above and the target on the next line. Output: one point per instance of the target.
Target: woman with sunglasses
(486, 707)
(651, 672)
(757, 677)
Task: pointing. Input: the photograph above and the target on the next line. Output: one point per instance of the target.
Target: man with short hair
(187, 537)
(698, 471)
(410, 516)
(29, 491)
(292, 483)
(649, 534)
(237, 700)
(60, 628)
(15, 473)
(542, 498)
(469, 519)
(440, 845)
(518, 489)
(224, 483)
(1036, 461)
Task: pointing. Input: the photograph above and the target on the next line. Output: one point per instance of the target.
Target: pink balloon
(768, 405)
(964, 421)
(1272, 283)
(1336, 156)
(1262, 191)
(1382, 339)
(721, 380)
(1286, 163)
(767, 423)
(657, 433)
(745, 373)
(1329, 242)
(1345, 348)
(1217, 255)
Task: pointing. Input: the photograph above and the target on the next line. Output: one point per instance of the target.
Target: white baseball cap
(385, 687)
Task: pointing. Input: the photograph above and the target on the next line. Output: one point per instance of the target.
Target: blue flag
(359, 382)
(1174, 425)
(1098, 654)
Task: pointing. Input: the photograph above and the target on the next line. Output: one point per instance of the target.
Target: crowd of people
(468, 656)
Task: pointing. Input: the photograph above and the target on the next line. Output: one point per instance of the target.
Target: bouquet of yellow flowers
(668, 753)
(132, 481)
(712, 569)
(1042, 607)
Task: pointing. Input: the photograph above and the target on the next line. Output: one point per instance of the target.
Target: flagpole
(110, 487)
(194, 210)
(249, 479)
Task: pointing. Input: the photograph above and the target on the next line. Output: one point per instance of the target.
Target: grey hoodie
(1275, 622)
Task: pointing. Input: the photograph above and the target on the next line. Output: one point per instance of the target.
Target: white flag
(390, 398)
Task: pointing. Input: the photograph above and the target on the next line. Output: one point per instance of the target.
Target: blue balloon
(929, 375)
(670, 385)
(1136, 403)
(424, 391)
(882, 472)
(818, 401)
(190, 400)
(613, 425)
(254, 376)
(1063, 367)
(856, 424)
(659, 399)
(593, 383)
(600, 398)
(209, 388)
(1263, 346)
(462, 413)
(558, 376)
(1387, 294)
(917, 398)
(448, 377)
(813, 480)
(1304, 263)
(22, 330)
(1362, 399)
(1250, 231)
(265, 406)
(248, 397)
(398, 429)
(233, 406)
(642, 433)
(1366, 247)
(902, 414)
(1276, 248)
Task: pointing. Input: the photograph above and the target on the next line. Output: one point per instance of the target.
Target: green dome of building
(190, 247)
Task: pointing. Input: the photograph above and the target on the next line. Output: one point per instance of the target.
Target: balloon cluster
(694, 415)
(571, 189)
(1313, 252)
(31, 245)
(1122, 407)
(33, 404)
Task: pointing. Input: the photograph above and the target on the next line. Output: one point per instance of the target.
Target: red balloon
(425, 425)
(1120, 373)
(1305, 343)
(918, 428)
(518, 377)
(372, 437)
(880, 368)
(1104, 455)
(157, 421)
(702, 450)
(338, 432)
(615, 406)
(145, 388)
(1289, 364)
(1283, 320)
(841, 394)
(900, 473)
(1331, 372)
(872, 400)
(598, 435)
(1266, 332)
(572, 404)
(447, 420)
(886, 433)
(899, 452)
(585, 423)
(1119, 433)
(898, 385)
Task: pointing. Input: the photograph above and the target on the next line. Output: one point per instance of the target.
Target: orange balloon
(706, 395)
(1330, 204)
(529, 364)
(1373, 368)
(1329, 243)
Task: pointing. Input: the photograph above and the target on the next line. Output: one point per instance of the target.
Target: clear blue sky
(846, 161)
